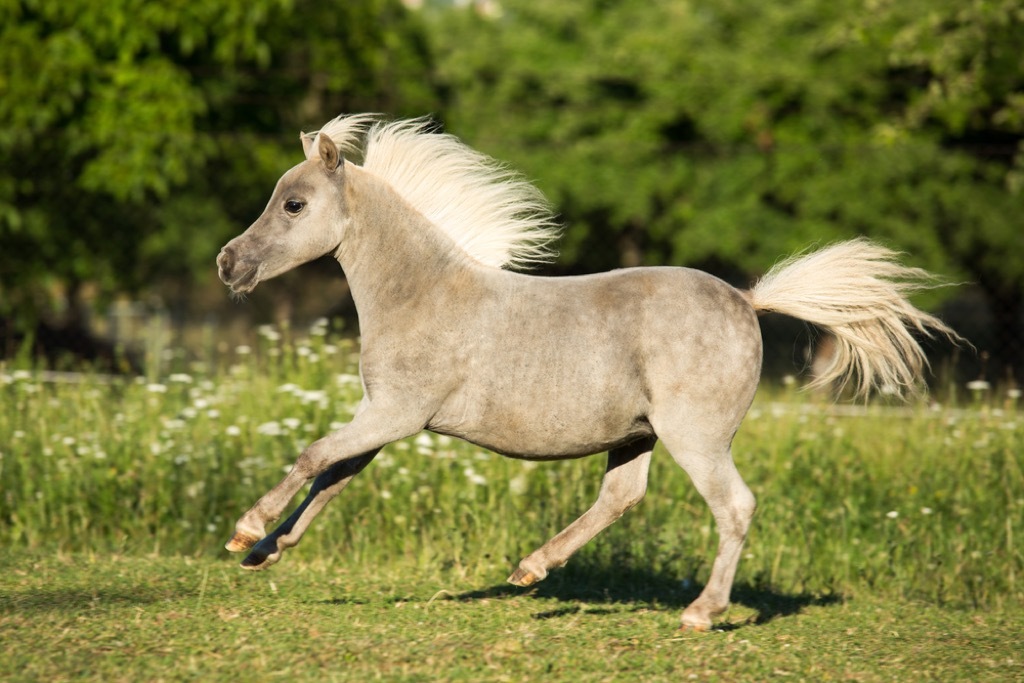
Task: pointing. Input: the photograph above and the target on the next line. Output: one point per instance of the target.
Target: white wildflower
(519, 485)
(233, 430)
(272, 428)
(180, 378)
(243, 350)
(156, 388)
(978, 385)
(319, 327)
(268, 332)
(926, 511)
(291, 423)
(314, 397)
(892, 514)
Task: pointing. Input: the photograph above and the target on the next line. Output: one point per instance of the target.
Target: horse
(432, 235)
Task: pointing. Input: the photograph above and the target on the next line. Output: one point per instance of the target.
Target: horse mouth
(244, 283)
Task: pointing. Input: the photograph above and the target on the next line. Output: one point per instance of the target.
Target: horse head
(302, 221)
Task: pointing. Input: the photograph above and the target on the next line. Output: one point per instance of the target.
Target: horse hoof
(240, 541)
(694, 628)
(255, 562)
(522, 577)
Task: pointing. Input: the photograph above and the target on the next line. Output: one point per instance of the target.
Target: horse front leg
(623, 486)
(370, 430)
(288, 534)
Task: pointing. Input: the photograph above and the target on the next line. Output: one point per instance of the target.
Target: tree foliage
(725, 134)
(136, 136)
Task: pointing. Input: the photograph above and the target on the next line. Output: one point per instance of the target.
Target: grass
(116, 618)
(886, 544)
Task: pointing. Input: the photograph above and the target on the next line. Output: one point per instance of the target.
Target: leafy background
(138, 137)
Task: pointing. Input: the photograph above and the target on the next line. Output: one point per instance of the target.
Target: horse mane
(492, 212)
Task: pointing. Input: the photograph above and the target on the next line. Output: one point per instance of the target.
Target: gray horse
(544, 368)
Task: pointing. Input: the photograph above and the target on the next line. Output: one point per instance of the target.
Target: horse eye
(293, 206)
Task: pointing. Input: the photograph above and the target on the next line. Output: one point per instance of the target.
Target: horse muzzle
(240, 275)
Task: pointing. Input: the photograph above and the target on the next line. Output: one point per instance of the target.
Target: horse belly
(550, 410)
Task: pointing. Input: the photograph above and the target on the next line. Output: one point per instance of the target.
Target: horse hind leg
(707, 459)
(623, 486)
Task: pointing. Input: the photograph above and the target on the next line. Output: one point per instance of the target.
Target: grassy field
(886, 545)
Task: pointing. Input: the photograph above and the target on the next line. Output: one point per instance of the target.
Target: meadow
(886, 544)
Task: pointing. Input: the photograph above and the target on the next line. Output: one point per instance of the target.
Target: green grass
(116, 618)
(886, 545)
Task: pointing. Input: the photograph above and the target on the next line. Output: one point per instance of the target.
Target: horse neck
(392, 256)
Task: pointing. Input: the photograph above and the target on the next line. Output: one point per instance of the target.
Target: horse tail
(857, 291)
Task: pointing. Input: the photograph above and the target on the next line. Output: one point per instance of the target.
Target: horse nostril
(226, 261)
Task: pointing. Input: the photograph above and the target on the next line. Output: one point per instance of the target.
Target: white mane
(491, 212)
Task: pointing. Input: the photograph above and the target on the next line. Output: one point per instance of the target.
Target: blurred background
(137, 137)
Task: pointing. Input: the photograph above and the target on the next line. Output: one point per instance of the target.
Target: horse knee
(741, 510)
(746, 504)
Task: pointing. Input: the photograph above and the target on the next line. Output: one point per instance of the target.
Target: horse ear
(329, 153)
(307, 144)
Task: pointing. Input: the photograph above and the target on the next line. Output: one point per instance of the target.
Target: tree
(138, 136)
(726, 134)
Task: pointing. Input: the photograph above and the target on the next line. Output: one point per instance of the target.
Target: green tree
(725, 134)
(137, 136)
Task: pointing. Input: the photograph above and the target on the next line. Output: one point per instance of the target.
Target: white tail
(857, 291)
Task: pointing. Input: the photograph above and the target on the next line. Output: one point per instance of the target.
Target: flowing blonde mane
(493, 213)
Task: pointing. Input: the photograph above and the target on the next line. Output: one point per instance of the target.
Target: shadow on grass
(77, 600)
(645, 589)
